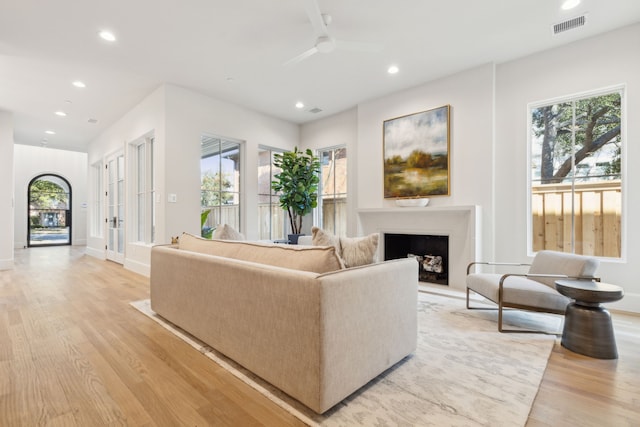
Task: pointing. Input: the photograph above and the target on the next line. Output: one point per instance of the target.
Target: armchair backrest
(553, 262)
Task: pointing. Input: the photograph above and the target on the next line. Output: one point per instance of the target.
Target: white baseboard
(96, 253)
(6, 264)
(138, 267)
(629, 304)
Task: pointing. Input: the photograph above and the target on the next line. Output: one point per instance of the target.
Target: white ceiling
(234, 50)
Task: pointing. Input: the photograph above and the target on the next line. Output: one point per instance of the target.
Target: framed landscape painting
(416, 154)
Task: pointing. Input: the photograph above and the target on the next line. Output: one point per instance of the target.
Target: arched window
(49, 211)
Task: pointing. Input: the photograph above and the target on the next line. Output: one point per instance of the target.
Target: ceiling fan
(324, 42)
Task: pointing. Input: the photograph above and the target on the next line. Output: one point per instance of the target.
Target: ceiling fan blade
(358, 46)
(304, 55)
(315, 16)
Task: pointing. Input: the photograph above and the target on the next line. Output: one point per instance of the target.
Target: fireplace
(460, 223)
(431, 252)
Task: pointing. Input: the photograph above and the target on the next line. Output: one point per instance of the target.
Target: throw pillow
(226, 232)
(357, 251)
(324, 238)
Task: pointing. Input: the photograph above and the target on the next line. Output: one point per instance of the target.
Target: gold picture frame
(416, 154)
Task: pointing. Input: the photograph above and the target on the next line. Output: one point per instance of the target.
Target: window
(271, 217)
(576, 174)
(332, 205)
(220, 182)
(97, 213)
(144, 206)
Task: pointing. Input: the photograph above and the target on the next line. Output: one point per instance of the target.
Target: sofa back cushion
(552, 262)
(304, 258)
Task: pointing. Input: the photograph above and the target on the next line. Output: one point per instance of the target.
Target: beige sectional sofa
(315, 330)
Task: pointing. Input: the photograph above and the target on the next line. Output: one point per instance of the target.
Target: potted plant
(297, 185)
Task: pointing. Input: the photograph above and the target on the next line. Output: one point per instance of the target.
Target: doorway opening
(49, 213)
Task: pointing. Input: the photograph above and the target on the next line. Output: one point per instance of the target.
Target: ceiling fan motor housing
(325, 44)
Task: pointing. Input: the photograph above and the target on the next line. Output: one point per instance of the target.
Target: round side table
(587, 325)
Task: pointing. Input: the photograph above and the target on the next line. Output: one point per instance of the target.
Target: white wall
(29, 162)
(148, 117)
(488, 143)
(470, 95)
(178, 117)
(607, 60)
(6, 190)
(489, 140)
(189, 115)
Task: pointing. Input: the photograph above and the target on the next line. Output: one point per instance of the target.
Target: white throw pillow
(357, 251)
(353, 251)
(226, 232)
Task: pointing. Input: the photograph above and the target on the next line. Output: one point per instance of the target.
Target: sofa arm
(372, 312)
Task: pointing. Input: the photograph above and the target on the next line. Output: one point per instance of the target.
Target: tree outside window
(576, 158)
(219, 183)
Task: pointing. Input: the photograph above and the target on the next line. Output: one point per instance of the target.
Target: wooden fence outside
(597, 219)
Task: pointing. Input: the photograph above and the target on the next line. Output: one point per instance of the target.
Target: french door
(49, 215)
(115, 208)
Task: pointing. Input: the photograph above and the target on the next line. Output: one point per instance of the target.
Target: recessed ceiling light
(49, 132)
(79, 84)
(393, 69)
(61, 114)
(299, 104)
(107, 35)
(569, 4)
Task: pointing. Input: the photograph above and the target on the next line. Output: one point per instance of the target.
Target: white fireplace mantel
(460, 223)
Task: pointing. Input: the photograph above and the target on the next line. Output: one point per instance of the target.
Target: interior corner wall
(189, 116)
(599, 62)
(471, 97)
(6, 190)
(178, 118)
(31, 161)
(338, 129)
(146, 117)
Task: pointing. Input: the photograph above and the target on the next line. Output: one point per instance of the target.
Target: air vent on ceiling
(92, 120)
(315, 110)
(569, 24)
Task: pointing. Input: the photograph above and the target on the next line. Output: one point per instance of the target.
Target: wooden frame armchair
(534, 290)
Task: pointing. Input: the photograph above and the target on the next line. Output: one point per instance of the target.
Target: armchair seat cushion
(519, 291)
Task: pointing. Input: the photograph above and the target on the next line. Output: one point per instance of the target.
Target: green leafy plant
(205, 231)
(297, 184)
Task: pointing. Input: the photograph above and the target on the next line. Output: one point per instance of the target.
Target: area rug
(463, 373)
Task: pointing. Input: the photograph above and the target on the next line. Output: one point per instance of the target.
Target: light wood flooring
(74, 353)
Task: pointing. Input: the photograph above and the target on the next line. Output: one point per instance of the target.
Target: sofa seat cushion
(517, 291)
(316, 259)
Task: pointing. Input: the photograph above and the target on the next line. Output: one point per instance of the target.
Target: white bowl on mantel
(412, 203)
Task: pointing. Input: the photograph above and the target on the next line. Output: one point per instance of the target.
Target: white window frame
(217, 216)
(97, 199)
(274, 200)
(143, 213)
(622, 90)
(319, 216)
